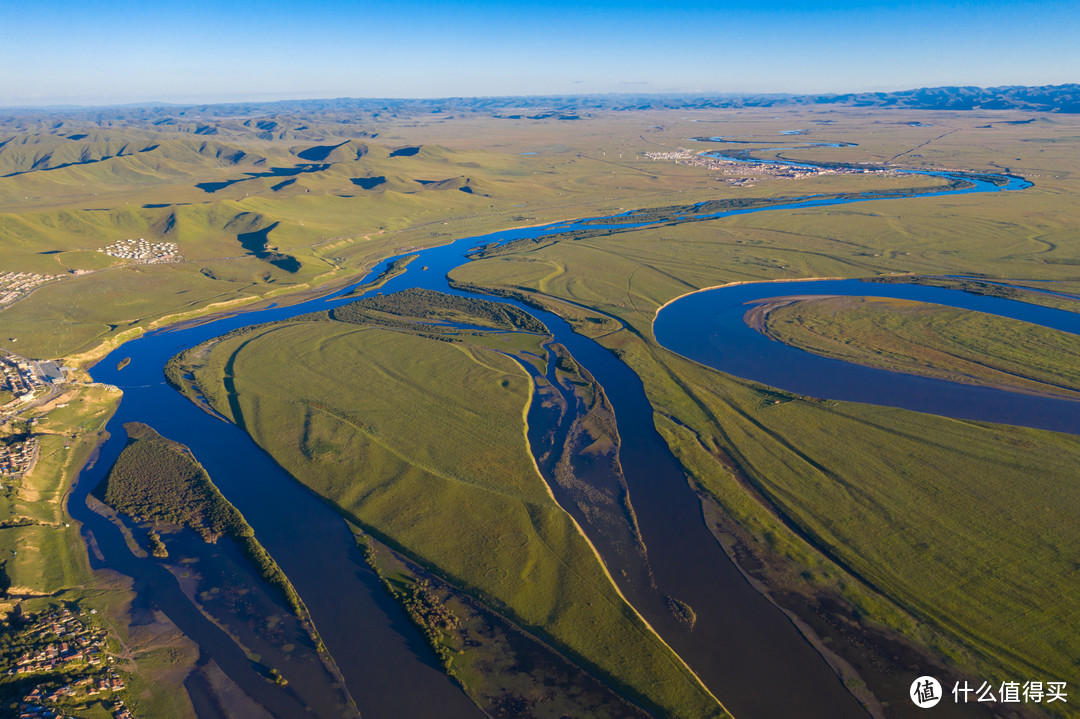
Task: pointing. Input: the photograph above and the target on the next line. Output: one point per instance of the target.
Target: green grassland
(948, 532)
(42, 551)
(66, 192)
(962, 525)
(885, 510)
(894, 527)
(422, 443)
(934, 341)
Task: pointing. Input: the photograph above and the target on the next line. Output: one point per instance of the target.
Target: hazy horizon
(123, 52)
(256, 100)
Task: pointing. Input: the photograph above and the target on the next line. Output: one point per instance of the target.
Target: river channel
(742, 647)
(709, 327)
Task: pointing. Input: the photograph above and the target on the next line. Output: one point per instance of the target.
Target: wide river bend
(742, 646)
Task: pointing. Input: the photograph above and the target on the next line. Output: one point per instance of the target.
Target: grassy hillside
(340, 193)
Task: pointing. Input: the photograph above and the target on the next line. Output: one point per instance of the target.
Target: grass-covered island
(432, 418)
(931, 340)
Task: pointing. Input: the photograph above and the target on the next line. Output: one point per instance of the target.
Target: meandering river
(745, 650)
(709, 327)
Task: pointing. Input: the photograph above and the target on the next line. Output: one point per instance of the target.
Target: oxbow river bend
(742, 647)
(708, 327)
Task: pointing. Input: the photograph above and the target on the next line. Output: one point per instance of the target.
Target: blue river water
(741, 646)
(708, 327)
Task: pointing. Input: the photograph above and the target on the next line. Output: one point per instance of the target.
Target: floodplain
(896, 540)
(435, 417)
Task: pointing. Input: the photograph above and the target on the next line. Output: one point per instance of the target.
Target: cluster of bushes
(430, 616)
(157, 480)
(421, 603)
(154, 480)
(973, 286)
(430, 305)
(157, 547)
(682, 612)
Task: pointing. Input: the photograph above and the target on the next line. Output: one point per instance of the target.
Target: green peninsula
(933, 341)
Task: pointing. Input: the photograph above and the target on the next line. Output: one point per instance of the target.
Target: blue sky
(98, 52)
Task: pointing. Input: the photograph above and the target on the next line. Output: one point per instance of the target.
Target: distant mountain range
(1046, 98)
